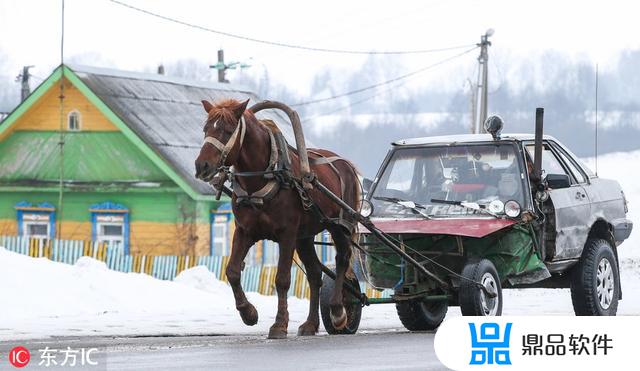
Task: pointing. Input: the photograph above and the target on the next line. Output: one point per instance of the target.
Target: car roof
(465, 138)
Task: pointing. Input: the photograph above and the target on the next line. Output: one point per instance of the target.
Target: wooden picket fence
(255, 278)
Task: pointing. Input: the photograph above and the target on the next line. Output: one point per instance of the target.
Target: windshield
(468, 173)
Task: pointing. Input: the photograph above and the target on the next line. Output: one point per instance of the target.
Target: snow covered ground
(41, 298)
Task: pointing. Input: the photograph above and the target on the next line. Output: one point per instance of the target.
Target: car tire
(421, 316)
(353, 309)
(474, 301)
(595, 284)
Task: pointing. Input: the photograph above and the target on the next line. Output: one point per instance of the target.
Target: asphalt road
(389, 350)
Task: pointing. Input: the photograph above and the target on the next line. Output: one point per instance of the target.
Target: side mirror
(558, 181)
(366, 185)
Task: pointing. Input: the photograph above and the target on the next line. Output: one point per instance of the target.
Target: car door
(571, 204)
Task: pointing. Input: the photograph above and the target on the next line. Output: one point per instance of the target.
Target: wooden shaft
(301, 145)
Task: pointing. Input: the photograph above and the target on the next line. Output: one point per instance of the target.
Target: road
(387, 350)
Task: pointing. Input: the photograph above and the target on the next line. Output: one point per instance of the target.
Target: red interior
(470, 187)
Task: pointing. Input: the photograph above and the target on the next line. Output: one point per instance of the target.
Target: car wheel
(421, 316)
(595, 285)
(353, 308)
(473, 300)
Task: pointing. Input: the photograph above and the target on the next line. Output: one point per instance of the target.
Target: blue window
(110, 224)
(36, 221)
(220, 230)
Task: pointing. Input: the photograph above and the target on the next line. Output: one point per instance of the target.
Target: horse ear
(239, 110)
(207, 106)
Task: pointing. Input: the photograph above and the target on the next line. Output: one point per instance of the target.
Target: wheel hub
(605, 285)
(489, 304)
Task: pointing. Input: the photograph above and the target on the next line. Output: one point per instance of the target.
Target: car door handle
(580, 195)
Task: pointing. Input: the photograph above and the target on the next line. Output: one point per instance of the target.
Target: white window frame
(220, 221)
(110, 220)
(75, 113)
(27, 223)
(101, 237)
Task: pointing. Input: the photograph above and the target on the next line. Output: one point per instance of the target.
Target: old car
(487, 209)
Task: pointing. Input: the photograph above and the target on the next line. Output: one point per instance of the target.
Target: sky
(102, 33)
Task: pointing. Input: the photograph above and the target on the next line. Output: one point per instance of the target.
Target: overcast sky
(106, 34)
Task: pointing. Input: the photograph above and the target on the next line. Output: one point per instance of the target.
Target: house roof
(162, 115)
(166, 112)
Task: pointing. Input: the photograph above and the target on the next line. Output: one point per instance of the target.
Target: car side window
(550, 163)
(579, 177)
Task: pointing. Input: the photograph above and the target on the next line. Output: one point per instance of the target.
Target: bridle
(267, 191)
(225, 148)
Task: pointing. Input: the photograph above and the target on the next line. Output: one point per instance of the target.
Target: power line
(358, 102)
(402, 77)
(286, 45)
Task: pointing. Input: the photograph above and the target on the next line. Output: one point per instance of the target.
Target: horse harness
(278, 173)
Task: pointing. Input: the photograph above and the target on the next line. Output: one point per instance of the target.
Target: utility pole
(480, 111)
(473, 101)
(223, 67)
(24, 78)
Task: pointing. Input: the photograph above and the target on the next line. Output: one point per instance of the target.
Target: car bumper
(621, 229)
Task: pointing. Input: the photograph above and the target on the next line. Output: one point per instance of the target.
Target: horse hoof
(249, 314)
(339, 321)
(277, 333)
(307, 329)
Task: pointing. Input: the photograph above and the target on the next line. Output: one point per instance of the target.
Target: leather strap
(226, 148)
(258, 197)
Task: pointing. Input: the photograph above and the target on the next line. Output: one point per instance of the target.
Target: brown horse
(235, 138)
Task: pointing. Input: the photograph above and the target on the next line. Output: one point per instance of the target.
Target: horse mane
(224, 109)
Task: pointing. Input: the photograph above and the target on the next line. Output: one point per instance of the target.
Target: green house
(130, 142)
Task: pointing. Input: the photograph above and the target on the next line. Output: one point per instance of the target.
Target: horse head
(224, 132)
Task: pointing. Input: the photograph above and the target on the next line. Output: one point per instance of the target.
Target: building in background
(130, 142)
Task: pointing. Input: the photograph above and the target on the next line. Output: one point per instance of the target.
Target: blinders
(225, 148)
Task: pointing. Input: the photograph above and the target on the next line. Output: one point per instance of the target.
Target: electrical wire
(353, 104)
(402, 77)
(282, 44)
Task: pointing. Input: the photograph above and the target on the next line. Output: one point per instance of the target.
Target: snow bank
(42, 298)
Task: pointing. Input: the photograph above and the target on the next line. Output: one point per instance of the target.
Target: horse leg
(283, 280)
(241, 245)
(307, 254)
(343, 254)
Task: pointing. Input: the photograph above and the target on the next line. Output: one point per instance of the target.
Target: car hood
(477, 228)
